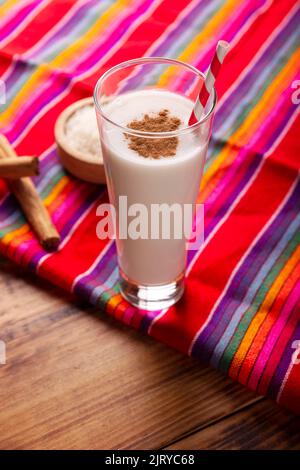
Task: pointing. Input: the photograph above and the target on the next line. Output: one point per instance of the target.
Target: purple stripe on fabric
(148, 319)
(247, 272)
(285, 362)
(47, 162)
(19, 67)
(99, 275)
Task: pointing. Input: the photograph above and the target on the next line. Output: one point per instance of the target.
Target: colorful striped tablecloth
(241, 311)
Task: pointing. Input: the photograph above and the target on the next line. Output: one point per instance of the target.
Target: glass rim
(146, 60)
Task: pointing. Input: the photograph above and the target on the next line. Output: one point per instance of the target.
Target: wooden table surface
(77, 379)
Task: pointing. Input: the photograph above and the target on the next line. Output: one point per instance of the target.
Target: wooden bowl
(81, 165)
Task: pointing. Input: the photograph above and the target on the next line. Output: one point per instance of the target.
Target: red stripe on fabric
(129, 315)
(250, 43)
(215, 264)
(290, 393)
(40, 25)
(137, 319)
(120, 311)
(288, 153)
(5, 62)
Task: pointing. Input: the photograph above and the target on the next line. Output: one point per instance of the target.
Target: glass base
(151, 297)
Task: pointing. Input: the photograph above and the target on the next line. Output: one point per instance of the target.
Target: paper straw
(211, 76)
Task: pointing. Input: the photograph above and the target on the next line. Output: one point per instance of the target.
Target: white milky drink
(165, 180)
(152, 259)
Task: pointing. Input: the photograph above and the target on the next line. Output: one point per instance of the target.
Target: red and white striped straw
(211, 76)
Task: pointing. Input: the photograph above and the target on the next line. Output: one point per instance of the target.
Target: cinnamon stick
(31, 203)
(19, 167)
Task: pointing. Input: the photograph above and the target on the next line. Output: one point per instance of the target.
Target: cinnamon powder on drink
(151, 147)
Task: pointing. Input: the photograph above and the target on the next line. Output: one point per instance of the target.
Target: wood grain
(76, 379)
(261, 426)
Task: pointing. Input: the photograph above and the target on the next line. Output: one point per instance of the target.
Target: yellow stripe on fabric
(250, 125)
(9, 237)
(56, 190)
(22, 238)
(113, 302)
(8, 5)
(262, 313)
(209, 31)
(65, 57)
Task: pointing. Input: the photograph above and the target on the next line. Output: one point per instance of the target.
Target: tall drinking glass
(151, 192)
